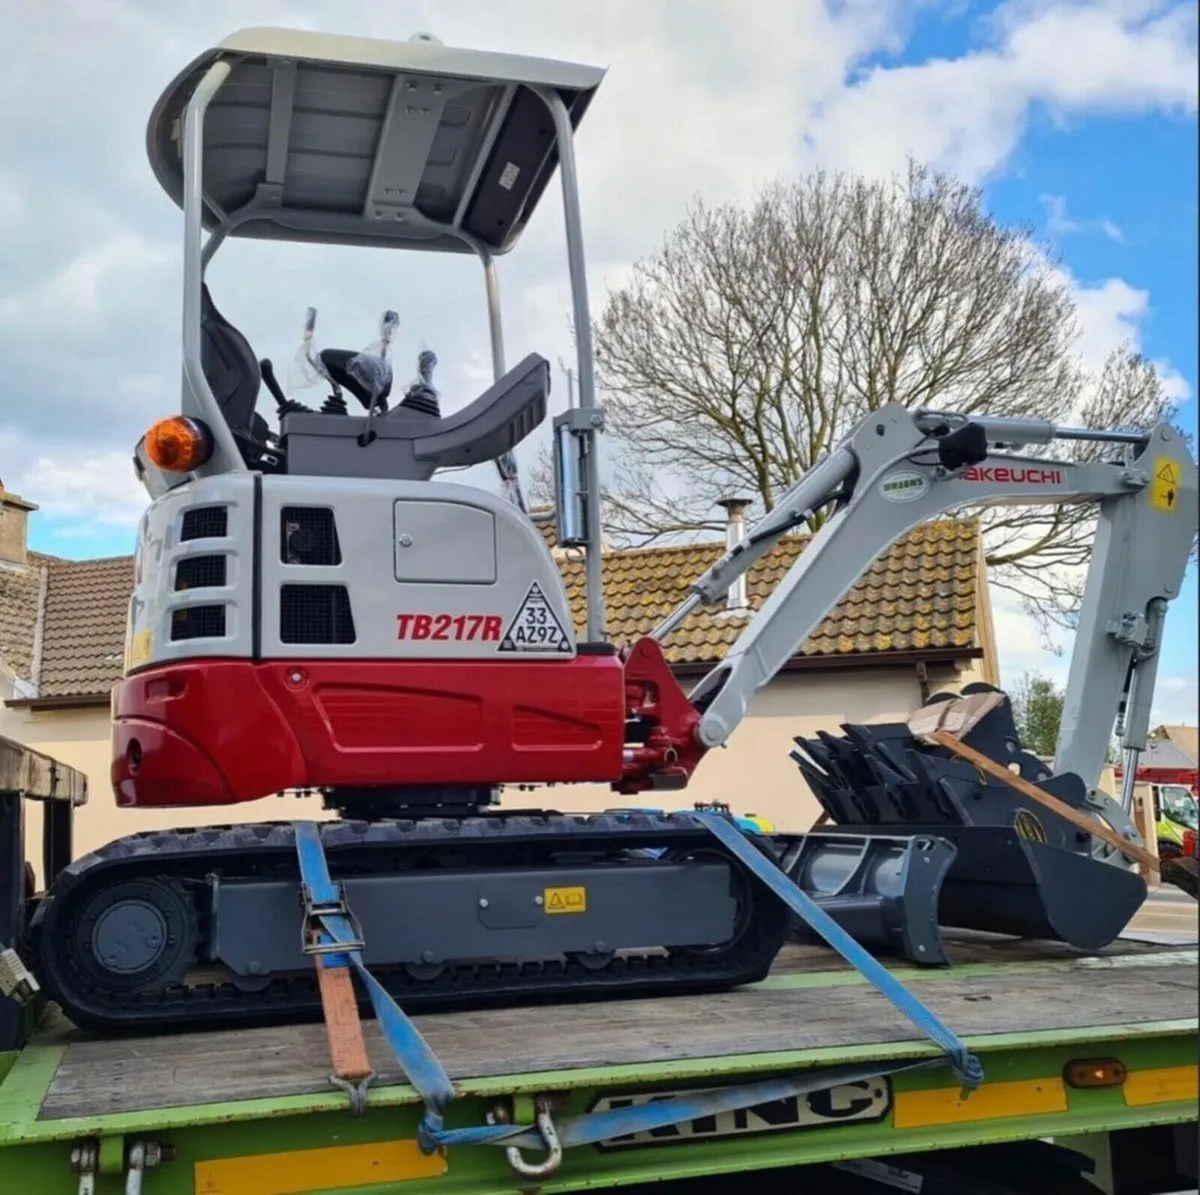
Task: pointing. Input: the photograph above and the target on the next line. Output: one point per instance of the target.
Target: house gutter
(860, 659)
(68, 701)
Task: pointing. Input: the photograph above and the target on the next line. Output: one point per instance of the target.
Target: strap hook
(356, 1090)
(554, 1151)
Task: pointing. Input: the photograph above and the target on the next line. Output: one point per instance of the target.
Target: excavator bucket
(1184, 873)
(939, 843)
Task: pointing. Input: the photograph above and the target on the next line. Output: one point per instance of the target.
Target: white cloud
(1177, 699)
(89, 289)
(968, 114)
(1022, 649)
(96, 490)
(1059, 223)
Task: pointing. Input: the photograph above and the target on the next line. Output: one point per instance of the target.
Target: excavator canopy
(355, 141)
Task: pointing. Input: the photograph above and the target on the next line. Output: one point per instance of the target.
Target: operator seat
(233, 374)
(411, 441)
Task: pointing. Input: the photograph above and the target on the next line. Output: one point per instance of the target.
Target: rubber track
(264, 850)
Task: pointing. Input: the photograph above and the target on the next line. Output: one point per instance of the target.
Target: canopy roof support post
(226, 457)
(581, 313)
(491, 283)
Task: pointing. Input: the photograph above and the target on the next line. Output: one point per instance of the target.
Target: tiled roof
(1163, 752)
(548, 527)
(1185, 738)
(83, 626)
(922, 595)
(18, 613)
(83, 644)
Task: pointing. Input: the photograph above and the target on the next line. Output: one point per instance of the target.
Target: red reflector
(1094, 1072)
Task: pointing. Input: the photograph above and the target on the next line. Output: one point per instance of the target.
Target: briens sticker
(905, 486)
(535, 627)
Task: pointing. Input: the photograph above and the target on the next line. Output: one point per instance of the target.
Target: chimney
(14, 526)
(735, 531)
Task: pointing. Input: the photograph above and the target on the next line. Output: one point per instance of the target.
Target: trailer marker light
(178, 444)
(1094, 1072)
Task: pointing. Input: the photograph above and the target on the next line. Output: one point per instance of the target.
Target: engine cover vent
(205, 522)
(308, 535)
(198, 622)
(315, 614)
(199, 572)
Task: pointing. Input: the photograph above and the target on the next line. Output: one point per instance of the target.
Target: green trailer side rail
(307, 1144)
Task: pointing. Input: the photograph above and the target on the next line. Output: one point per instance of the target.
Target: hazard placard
(1164, 485)
(535, 626)
(565, 900)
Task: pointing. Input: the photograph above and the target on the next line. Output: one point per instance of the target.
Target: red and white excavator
(315, 608)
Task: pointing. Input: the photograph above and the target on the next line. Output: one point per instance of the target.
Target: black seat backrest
(229, 364)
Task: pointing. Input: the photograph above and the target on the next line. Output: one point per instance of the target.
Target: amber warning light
(1094, 1072)
(178, 444)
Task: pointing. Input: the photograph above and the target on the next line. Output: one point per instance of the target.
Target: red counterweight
(222, 731)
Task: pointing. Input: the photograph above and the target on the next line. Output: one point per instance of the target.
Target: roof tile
(18, 613)
(83, 643)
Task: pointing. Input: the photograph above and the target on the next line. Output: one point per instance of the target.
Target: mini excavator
(316, 609)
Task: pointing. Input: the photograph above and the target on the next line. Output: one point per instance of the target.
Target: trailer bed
(810, 1003)
(251, 1111)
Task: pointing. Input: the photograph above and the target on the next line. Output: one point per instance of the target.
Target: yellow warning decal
(1163, 1085)
(565, 900)
(993, 1101)
(141, 644)
(1027, 825)
(1164, 486)
(300, 1171)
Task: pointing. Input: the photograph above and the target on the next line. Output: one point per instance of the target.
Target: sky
(1078, 117)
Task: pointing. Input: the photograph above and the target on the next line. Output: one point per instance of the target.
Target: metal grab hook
(356, 1090)
(554, 1151)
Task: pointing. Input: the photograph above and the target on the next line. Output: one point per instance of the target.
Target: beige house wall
(753, 774)
(80, 739)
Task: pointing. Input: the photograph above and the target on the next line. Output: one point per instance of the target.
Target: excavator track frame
(188, 859)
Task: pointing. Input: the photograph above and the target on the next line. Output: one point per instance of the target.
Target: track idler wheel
(136, 936)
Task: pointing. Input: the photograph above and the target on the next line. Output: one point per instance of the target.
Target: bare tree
(753, 339)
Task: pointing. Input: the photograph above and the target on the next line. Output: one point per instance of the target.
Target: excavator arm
(898, 469)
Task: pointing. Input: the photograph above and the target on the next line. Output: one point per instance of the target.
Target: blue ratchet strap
(421, 1067)
(326, 907)
(966, 1065)
(642, 1118)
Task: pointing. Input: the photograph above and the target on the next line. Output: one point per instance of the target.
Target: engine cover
(279, 567)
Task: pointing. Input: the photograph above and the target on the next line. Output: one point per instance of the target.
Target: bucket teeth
(1007, 865)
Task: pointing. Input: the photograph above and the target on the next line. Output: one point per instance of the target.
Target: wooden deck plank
(123, 1075)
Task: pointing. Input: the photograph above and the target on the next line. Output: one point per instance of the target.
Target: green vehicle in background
(1175, 812)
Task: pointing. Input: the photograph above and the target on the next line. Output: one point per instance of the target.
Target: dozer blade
(882, 889)
(1012, 866)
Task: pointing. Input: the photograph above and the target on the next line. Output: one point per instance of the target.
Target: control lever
(283, 404)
